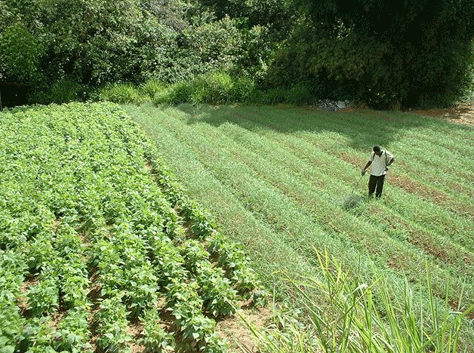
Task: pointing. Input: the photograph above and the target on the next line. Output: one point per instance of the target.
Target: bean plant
(92, 238)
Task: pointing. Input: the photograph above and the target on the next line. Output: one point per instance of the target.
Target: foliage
(349, 319)
(97, 42)
(383, 53)
(151, 87)
(43, 298)
(73, 333)
(90, 239)
(155, 339)
(122, 93)
(112, 321)
(277, 15)
(20, 54)
(214, 88)
(12, 270)
(63, 91)
(211, 88)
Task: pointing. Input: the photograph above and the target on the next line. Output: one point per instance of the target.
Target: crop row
(95, 231)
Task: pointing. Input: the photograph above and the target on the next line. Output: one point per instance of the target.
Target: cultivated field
(286, 183)
(100, 249)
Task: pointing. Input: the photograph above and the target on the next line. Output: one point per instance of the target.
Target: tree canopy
(98, 41)
(382, 52)
(386, 52)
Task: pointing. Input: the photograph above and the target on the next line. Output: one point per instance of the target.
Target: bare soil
(235, 331)
(460, 114)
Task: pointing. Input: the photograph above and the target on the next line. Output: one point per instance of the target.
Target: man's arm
(366, 166)
(389, 163)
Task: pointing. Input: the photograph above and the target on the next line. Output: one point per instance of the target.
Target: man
(380, 161)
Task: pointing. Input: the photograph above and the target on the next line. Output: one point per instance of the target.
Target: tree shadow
(363, 127)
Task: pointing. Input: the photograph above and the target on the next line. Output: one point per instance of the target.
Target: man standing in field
(380, 161)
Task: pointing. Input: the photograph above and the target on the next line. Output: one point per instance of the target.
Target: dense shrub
(98, 42)
(380, 52)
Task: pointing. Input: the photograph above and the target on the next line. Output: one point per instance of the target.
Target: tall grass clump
(211, 88)
(341, 314)
(177, 93)
(243, 90)
(152, 87)
(122, 93)
(215, 88)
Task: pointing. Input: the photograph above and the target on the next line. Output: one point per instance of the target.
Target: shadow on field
(362, 126)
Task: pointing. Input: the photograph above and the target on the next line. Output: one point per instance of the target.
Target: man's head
(377, 150)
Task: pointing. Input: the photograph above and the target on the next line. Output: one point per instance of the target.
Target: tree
(20, 49)
(386, 53)
(93, 42)
(19, 54)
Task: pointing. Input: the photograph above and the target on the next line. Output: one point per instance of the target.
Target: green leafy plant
(194, 254)
(38, 335)
(92, 220)
(43, 297)
(112, 320)
(73, 332)
(220, 299)
(236, 264)
(155, 339)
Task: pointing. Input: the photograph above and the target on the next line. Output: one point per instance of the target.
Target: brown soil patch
(56, 224)
(460, 114)
(397, 263)
(135, 329)
(445, 252)
(351, 159)
(94, 287)
(236, 332)
(431, 194)
(56, 318)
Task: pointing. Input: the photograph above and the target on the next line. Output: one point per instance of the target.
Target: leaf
(7, 349)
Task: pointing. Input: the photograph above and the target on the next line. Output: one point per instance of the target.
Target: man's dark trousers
(376, 184)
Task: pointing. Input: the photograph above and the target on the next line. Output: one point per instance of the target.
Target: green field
(99, 244)
(279, 179)
(106, 243)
